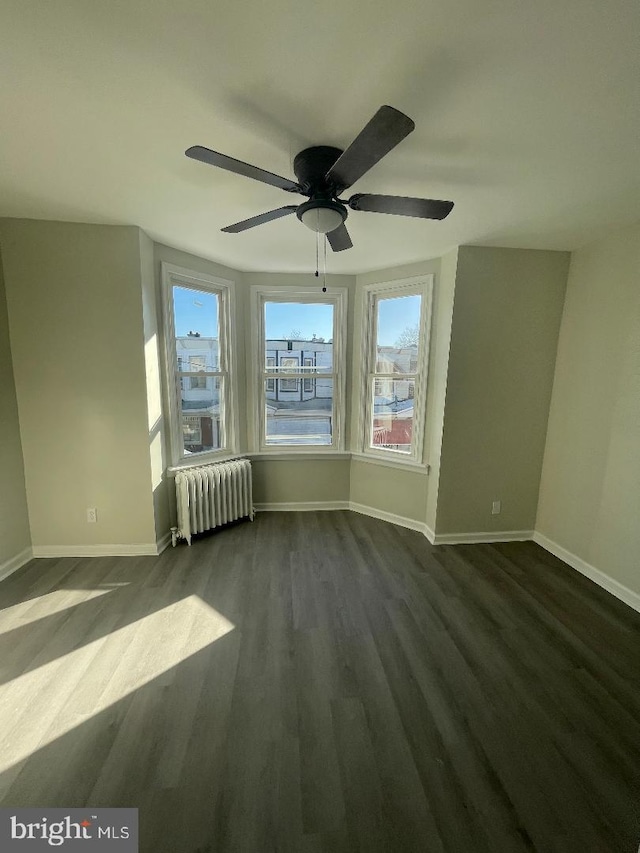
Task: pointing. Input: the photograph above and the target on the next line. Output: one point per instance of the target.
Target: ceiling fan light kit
(321, 216)
(324, 172)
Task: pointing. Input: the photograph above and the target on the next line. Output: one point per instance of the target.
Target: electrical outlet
(496, 506)
(92, 515)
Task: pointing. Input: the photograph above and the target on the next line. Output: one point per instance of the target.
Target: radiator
(212, 495)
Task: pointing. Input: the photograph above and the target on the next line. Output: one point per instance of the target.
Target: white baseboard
(14, 563)
(477, 538)
(392, 518)
(163, 542)
(142, 550)
(303, 506)
(400, 520)
(314, 506)
(596, 575)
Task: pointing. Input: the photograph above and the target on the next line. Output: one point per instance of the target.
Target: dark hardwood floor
(326, 682)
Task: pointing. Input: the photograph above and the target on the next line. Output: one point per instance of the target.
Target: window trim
(173, 275)
(416, 285)
(338, 296)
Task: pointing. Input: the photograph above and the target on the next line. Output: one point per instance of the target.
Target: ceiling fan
(324, 172)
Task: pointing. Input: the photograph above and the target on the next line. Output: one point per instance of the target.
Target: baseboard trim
(628, 596)
(163, 543)
(141, 550)
(14, 563)
(303, 506)
(480, 537)
(392, 518)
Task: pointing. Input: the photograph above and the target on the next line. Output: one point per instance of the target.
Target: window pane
(309, 385)
(299, 331)
(299, 417)
(397, 334)
(198, 390)
(201, 412)
(196, 315)
(201, 429)
(271, 383)
(393, 414)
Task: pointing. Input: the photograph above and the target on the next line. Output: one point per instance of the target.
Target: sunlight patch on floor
(46, 703)
(46, 605)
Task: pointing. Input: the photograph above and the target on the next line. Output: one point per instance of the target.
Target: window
(395, 347)
(289, 365)
(271, 383)
(299, 355)
(199, 362)
(309, 384)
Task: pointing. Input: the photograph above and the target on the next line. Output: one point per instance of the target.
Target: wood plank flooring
(326, 682)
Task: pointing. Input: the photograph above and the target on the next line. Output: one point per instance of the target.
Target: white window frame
(371, 294)
(223, 288)
(336, 296)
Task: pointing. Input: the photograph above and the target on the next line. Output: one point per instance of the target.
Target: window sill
(385, 462)
(303, 456)
(292, 455)
(172, 470)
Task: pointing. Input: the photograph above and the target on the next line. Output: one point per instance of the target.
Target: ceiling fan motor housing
(311, 166)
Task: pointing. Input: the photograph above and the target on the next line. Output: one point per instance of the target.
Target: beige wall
(75, 314)
(590, 490)
(389, 490)
(506, 317)
(443, 297)
(14, 517)
(304, 481)
(160, 484)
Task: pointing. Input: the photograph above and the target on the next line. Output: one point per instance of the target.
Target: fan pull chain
(324, 267)
(317, 253)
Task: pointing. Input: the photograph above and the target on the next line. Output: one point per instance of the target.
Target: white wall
(15, 539)
(590, 490)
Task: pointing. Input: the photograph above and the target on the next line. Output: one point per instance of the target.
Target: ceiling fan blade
(214, 158)
(260, 220)
(339, 239)
(424, 208)
(386, 129)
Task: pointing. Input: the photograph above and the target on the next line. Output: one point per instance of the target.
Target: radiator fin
(212, 495)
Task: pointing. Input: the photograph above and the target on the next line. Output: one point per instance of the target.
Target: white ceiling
(527, 117)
